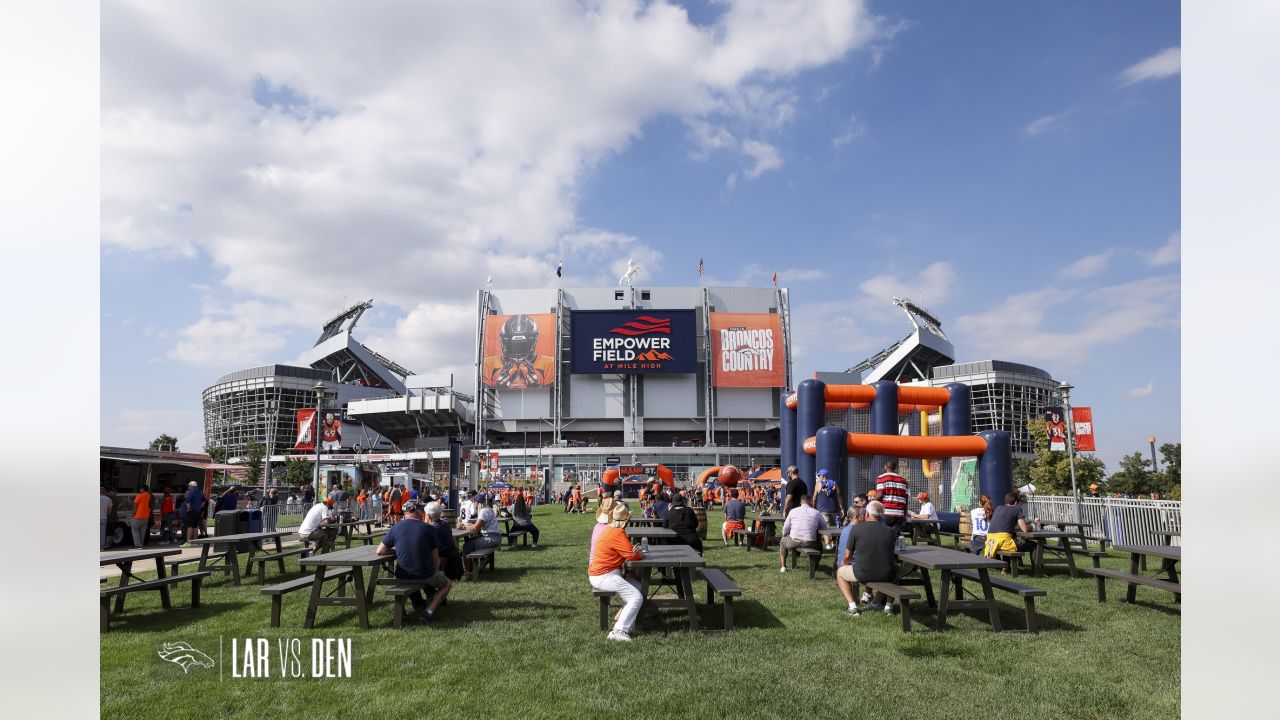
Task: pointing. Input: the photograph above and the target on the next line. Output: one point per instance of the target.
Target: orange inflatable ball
(729, 476)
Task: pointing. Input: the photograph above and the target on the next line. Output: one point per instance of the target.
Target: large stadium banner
(1055, 426)
(519, 351)
(747, 350)
(635, 341)
(1082, 417)
(306, 430)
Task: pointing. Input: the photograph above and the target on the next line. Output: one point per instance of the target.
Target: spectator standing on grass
(800, 530)
(490, 536)
(230, 500)
(828, 501)
(104, 512)
(193, 505)
(1005, 522)
(612, 550)
(795, 490)
(892, 490)
(168, 516)
(979, 521)
(416, 547)
(523, 517)
(141, 516)
(270, 505)
(868, 557)
(735, 516)
(684, 522)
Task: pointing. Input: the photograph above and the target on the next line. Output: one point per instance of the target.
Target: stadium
(569, 382)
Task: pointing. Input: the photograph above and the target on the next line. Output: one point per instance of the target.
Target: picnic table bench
(479, 557)
(926, 529)
(814, 556)
(261, 559)
(1169, 555)
(1028, 593)
(1063, 550)
(653, 534)
(162, 582)
(355, 559)
(718, 583)
(902, 595)
(511, 531)
(279, 590)
(924, 558)
(231, 556)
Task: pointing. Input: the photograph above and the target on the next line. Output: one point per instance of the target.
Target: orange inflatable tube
(668, 478)
(708, 474)
(859, 394)
(907, 446)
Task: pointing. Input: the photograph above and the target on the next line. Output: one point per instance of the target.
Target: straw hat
(619, 516)
(605, 506)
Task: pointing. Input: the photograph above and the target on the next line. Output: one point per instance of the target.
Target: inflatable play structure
(807, 444)
(609, 479)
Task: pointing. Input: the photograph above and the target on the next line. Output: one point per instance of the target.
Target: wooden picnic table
(1038, 560)
(461, 536)
(125, 560)
(769, 526)
(680, 559)
(652, 533)
(644, 522)
(356, 558)
(924, 558)
(231, 561)
(1170, 556)
(928, 529)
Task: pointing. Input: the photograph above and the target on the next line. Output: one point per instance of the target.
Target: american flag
(702, 269)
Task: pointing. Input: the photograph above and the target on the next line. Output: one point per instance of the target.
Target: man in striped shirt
(892, 488)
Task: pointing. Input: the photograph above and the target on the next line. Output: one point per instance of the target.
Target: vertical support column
(957, 414)
(455, 469)
(810, 413)
(884, 418)
(833, 454)
(787, 442)
(995, 467)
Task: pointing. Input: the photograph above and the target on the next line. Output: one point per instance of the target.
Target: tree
(254, 454)
(1135, 476)
(298, 472)
(216, 454)
(1172, 454)
(165, 442)
(1050, 470)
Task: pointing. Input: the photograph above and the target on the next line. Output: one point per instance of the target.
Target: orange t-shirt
(613, 548)
(142, 506)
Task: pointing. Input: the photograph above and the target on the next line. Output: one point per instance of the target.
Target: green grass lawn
(524, 642)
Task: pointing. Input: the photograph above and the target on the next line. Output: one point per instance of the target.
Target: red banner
(1082, 417)
(494, 462)
(306, 435)
(747, 350)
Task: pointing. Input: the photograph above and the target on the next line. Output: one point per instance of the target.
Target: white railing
(1121, 521)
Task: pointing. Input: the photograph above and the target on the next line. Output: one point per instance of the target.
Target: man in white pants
(613, 549)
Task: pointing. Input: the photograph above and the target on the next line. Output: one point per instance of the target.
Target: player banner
(519, 351)
(1082, 418)
(306, 435)
(747, 350)
(1056, 428)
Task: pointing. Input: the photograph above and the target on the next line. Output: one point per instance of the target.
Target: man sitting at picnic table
(800, 530)
(735, 515)
(450, 555)
(684, 522)
(417, 550)
(1007, 520)
(313, 527)
(487, 525)
(604, 570)
(927, 511)
(868, 557)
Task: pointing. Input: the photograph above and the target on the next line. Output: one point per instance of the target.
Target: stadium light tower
(1066, 388)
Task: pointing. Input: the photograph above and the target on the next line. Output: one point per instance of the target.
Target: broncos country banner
(747, 350)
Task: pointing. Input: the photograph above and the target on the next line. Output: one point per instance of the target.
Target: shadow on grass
(498, 575)
(460, 613)
(181, 615)
(1173, 610)
(1011, 619)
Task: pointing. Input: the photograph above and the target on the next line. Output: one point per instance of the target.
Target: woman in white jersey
(979, 518)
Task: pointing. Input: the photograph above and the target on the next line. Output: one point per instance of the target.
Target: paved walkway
(185, 554)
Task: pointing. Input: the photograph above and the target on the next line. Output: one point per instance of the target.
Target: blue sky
(1014, 167)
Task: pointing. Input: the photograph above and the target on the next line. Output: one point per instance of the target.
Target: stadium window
(617, 295)
(644, 294)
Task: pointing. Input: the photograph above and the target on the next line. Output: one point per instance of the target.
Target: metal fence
(1121, 521)
(287, 515)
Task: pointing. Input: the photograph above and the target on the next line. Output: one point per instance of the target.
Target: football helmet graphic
(519, 339)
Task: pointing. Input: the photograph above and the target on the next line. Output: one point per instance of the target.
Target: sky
(1013, 167)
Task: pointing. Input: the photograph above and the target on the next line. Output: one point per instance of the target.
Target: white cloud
(1166, 63)
(1035, 326)
(853, 129)
(764, 156)
(131, 427)
(931, 287)
(1142, 391)
(1043, 124)
(1088, 266)
(1169, 253)
(406, 154)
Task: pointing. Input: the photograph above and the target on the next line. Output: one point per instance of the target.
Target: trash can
(255, 519)
(232, 522)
